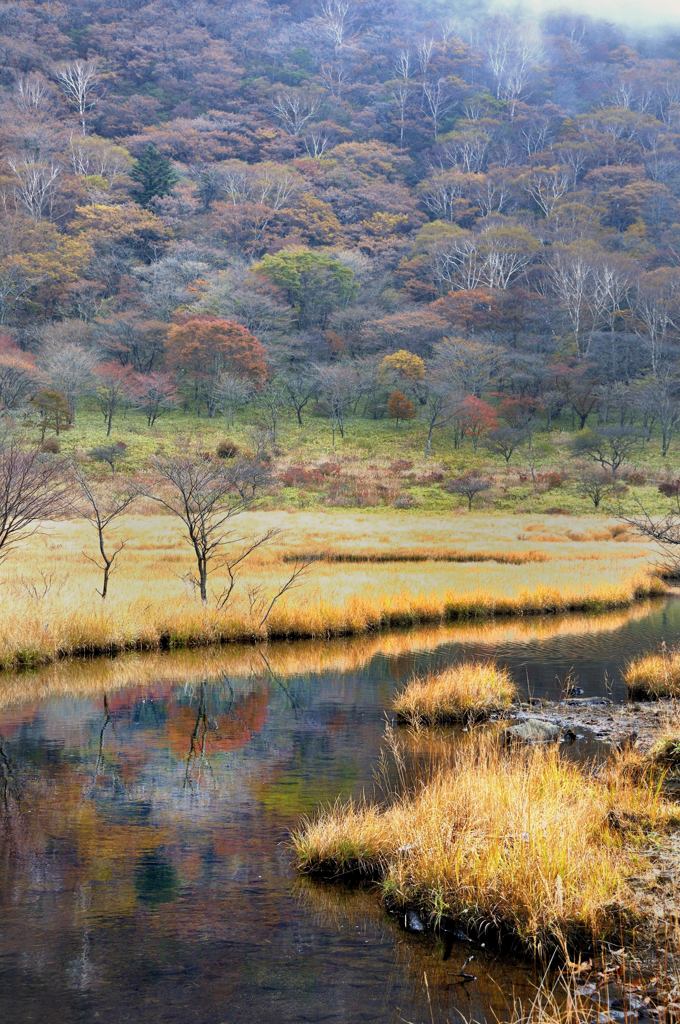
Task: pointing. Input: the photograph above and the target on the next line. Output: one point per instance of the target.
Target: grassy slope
(370, 472)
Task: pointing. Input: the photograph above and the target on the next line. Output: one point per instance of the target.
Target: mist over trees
(213, 205)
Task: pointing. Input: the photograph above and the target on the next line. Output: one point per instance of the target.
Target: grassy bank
(91, 678)
(468, 692)
(523, 847)
(377, 464)
(654, 676)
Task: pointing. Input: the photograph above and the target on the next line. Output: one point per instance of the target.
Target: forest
(360, 217)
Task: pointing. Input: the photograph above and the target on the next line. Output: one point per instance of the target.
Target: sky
(639, 13)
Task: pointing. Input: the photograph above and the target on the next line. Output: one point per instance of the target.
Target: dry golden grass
(150, 605)
(467, 692)
(522, 846)
(93, 677)
(654, 676)
(665, 750)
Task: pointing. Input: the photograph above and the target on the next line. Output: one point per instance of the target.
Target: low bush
(227, 449)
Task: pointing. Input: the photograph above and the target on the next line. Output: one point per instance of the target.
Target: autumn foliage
(202, 347)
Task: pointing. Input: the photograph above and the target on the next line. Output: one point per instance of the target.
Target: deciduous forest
(410, 227)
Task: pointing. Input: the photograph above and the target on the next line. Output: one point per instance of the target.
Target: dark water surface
(144, 871)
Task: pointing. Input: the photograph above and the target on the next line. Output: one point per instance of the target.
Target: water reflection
(145, 804)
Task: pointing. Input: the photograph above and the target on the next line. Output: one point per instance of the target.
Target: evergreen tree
(154, 174)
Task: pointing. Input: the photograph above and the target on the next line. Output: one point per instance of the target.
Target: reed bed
(526, 848)
(468, 692)
(654, 676)
(381, 557)
(35, 633)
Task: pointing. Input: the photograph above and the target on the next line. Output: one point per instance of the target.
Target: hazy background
(639, 13)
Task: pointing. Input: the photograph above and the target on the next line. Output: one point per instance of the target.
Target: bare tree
(206, 495)
(511, 57)
(596, 483)
(335, 17)
(469, 486)
(436, 101)
(505, 441)
(69, 369)
(78, 81)
(35, 186)
(263, 606)
(295, 109)
(546, 186)
(31, 93)
(316, 144)
(299, 387)
(34, 488)
(608, 446)
(101, 508)
(337, 386)
(402, 90)
(665, 531)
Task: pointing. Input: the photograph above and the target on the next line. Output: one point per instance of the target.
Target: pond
(145, 807)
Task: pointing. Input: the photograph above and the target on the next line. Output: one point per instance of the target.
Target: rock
(581, 702)
(412, 922)
(533, 730)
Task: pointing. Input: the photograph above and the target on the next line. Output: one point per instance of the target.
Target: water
(145, 809)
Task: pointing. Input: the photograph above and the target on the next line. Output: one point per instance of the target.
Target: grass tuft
(654, 676)
(468, 692)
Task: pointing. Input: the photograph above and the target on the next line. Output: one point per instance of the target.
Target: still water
(145, 805)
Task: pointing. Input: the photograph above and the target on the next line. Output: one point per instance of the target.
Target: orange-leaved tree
(205, 350)
(400, 407)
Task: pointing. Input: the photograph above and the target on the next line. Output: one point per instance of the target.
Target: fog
(637, 13)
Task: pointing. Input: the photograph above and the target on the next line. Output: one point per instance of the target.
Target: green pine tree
(154, 174)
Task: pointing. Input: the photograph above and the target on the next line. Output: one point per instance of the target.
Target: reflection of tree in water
(10, 805)
(214, 725)
(105, 724)
(9, 788)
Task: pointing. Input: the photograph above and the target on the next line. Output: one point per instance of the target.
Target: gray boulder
(533, 730)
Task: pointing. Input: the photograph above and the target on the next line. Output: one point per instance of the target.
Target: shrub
(550, 479)
(670, 488)
(111, 454)
(635, 477)
(227, 449)
(51, 445)
(302, 476)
